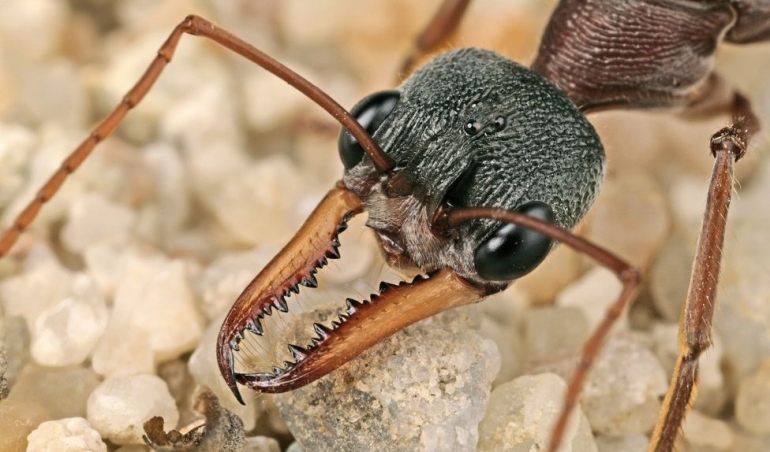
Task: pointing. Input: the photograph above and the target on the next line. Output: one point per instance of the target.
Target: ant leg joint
(730, 139)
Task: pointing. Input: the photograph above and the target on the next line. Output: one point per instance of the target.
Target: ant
(447, 218)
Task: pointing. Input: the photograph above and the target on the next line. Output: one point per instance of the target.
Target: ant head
(473, 129)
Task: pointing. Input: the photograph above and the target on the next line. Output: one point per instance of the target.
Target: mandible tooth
(255, 326)
(322, 331)
(297, 352)
(385, 286)
(352, 305)
(281, 305)
(309, 281)
(333, 253)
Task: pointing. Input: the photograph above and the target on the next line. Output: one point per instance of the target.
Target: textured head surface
(475, 129)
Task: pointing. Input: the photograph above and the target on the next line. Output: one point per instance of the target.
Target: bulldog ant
(428, 162)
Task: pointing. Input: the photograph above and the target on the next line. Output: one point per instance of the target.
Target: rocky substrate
(110, 304)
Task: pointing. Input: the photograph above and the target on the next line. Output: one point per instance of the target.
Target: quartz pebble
(593, 294)
(623, 393)
(17, 420)
(15, 338)
(254, 205)
(552, 334)
(435, 374)
(627, 443)
(262, 444)
(120, 405)
(220, 284)
(705, 434)
(93, 218)
(670, 276)
(630, 218)
(752, 405)
(16, 145)
(4, 385)
(154, 305)
(502, 314)
(65, 435)
(66, 332)
(43, 283)
(521, 415)
(46, 20)
(62, 391)
(186, 163)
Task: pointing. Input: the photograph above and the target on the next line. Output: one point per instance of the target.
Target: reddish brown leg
(727, 145)
(437, 32)
(198, 26)
(716, 97)
(626, 273)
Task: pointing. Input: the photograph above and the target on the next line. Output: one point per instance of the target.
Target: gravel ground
(111, 303)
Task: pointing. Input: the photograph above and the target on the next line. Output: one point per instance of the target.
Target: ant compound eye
(371, 112)
(513, 251)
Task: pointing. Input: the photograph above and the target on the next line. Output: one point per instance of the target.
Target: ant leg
(443, 24)
(728, 145)
(716, 96)
(197, 26)
(628, 275)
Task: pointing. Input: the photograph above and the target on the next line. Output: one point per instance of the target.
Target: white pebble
(204, 123)
(220, 284)
(670, 275)
(593, 294)
(269, 101)
(66, 435)
(43, 283)
(630, 217)
(262, 444)
(253, 205)
(66, 332)
(154, 303)
(194, 67)
(120, 405)
(628, 443)
(16, 145)
(623, 393)
(46, 20)
(54, 92)
(171, 206)
(522, 413)
(703, 433)
(552, 334)
(752, 404)
(93, 218)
